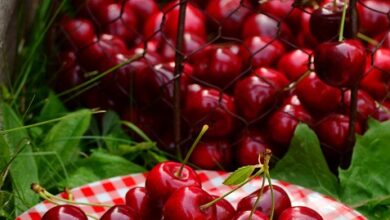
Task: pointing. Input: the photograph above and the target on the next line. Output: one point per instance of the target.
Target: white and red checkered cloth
(112, 191)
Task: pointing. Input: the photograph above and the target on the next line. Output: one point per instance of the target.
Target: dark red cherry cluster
(252, 71)
(174, 192)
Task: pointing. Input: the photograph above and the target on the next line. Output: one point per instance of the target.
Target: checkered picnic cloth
(113, 190)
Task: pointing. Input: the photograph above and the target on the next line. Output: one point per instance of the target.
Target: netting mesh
(247, 71)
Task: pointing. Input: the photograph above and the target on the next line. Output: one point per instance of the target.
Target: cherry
(365, 104)
(282, 122)
(255, 95)
(279, 9)
(333, 131)
(194, 22)
(229, 15)
(143, 9)
(295, 63)
(261, 51)
(118, 21)
(281, 199)
(325, 21)
(384, 39)
(224, 210)
(191, 44)
(217, 66)
(299, 212)
(162, 181)
(250, 144)
(373, 16)
(317, 96)
(272, 76)
(70, 73)
(78, 32)
(212, 107)
(218, 154)
(304, 38)
(340, 64)
(120, 212)
(139, 201)
(185, 203)
(65, 212)
(244, 215)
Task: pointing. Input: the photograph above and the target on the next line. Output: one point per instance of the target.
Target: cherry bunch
(252, 71)
(173, 191)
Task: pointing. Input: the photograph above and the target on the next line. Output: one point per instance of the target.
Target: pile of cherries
(252, 71)
(173, 191)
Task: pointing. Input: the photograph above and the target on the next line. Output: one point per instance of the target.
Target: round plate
(113, 190)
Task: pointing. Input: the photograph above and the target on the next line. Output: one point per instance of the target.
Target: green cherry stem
(200, 135)
(258, 197)
(367, 39)
(342, 23)
(55, 199)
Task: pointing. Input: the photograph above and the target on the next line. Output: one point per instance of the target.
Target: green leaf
(63, 142)
(6, 206)
(367, 180)
(53, 108)
(239, 175)
(376, 212)
(23, 168)
(100, 166)
(305, 165)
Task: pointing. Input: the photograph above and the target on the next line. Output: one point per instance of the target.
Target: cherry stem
(258, 198)
(52, 198)
(205, 206)
(272, 194)
(367, 39)
(179, 58)
(200, 135)
(342, 23)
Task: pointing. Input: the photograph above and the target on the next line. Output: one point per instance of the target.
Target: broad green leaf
(100, 166)
(62, 141)
(239, 175)
(367, 180)
(23, 168)
(6, 205)
(111, 123)
(305, 165)
(376, 212)
(53, 108)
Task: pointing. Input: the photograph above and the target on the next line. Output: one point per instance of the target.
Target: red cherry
(218, 66)
(224, 210)
(139, 201)
(295, 63)
(282, 122)
(78, 32)
(118, 20)
(120, 212)
(365, 104)
(212, 107)
(218, 154)
(194, 22)
(261, 51)
(244, 215)
(383, 39)
(64, 212)
(340, 64)
(229, 15)
(250, 144)
(325, 21)
(299, 212)
(273, 77)
(185, 204)
(304, 38)
(162, 181)
(70, 73)
(143, 9)
(279, 9)
(373, 16)
(333, 131)
(191, 44)
(317, 96)
(263, 25)
(383, 112)
(281, 199)
(254, 95)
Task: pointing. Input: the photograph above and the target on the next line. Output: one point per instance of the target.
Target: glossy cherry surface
(218, 154)
(250, 144)
(261, 51)
(282, 201)
(163, 180)
(279, 9)
(143, 9)
(294, 63)
(78, 32)
(137, 199)
(373, 16)
(120, 212)
(317, 96)
(185, 203)
(300, 213)
(340, 64)
(224, 210)
(64, 212)
(212, 107)
(244, 215)
(365, 104)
